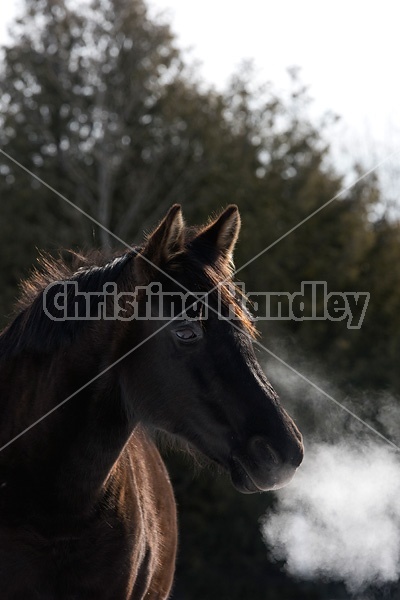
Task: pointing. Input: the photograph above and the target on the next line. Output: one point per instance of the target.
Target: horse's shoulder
(148, 474)
(154, 494)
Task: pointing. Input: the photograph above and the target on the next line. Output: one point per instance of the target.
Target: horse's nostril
(262, 451)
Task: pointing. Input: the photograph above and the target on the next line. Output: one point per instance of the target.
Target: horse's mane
(88, 269)
(91, 271)
(30, 327)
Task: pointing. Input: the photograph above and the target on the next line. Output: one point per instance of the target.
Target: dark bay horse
(86, 506)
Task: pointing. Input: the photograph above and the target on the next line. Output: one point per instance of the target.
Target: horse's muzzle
(260, 468)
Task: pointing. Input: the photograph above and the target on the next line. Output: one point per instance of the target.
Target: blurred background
(126, 107)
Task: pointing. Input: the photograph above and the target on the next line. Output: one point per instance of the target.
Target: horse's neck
(70, 451)
(100, 435)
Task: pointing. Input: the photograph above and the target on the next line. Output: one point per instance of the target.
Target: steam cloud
(340, 517)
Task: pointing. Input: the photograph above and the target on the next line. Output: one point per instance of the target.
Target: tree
(96, 101)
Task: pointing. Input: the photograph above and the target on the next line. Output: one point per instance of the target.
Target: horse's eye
(185, 334)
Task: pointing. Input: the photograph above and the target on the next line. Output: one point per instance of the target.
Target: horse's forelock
(199, 275)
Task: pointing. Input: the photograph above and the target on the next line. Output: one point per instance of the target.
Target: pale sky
(348, 51)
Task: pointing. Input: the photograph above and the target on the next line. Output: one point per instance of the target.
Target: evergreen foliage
(97, 101)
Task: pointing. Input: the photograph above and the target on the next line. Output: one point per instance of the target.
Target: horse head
(197, 376)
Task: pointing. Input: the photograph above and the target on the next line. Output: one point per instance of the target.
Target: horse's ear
(165, 242)
(221, 235)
